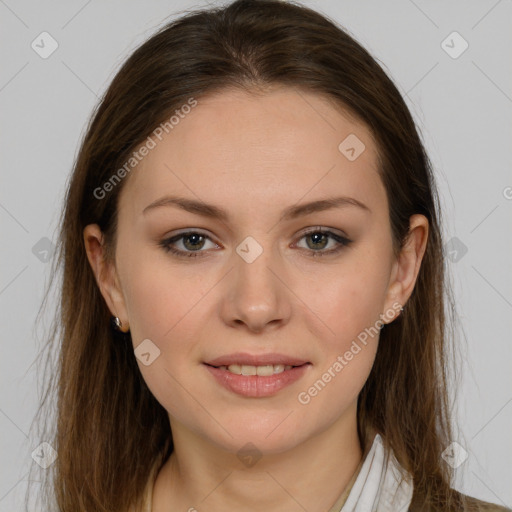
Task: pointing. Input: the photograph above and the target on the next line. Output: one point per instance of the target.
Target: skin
(254, 156)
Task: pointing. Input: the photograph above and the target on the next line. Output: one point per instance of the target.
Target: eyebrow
(292, 212)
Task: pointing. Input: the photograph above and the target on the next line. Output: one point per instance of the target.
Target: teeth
(263, 371)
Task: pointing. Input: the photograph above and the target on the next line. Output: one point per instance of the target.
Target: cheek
(166, 310)
(166, 304)
(159, 295)
(348, 300)
(350, 308)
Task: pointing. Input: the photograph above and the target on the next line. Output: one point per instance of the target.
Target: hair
(109, 429)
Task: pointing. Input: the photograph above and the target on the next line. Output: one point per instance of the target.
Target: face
(265, 277)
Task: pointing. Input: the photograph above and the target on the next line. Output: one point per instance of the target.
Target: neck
(311, 476)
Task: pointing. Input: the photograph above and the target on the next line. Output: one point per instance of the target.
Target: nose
(257, 297)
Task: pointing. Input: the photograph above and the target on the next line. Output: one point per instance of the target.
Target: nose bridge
(256, 296)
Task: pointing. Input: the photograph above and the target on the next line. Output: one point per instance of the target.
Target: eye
(318, 239)
(191, 241)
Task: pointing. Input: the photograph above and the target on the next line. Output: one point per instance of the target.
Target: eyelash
(341, 240)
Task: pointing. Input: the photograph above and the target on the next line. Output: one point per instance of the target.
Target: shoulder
(465, 504)
(484, 506)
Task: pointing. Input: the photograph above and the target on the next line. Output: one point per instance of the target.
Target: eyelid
(323, 229)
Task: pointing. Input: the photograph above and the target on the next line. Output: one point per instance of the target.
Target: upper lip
(243, 358)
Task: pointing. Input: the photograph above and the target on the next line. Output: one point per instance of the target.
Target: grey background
(462, 106)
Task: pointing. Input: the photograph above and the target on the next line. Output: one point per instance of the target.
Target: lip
(257, 386)
(243, 358)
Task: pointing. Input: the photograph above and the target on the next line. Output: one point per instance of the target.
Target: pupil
(317, 237)
(196, 240)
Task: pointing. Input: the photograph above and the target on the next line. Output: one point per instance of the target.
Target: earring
(118, 325)
(400, 314)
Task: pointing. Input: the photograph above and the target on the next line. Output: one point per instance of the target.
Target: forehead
(269, 148)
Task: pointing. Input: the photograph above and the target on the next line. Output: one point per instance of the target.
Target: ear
(406, 267)
(105, 274)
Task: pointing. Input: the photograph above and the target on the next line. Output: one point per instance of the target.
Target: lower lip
(257, 386)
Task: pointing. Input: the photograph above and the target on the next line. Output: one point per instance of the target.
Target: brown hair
(109, 429)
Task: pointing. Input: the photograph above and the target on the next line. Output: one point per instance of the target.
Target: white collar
(379, 486)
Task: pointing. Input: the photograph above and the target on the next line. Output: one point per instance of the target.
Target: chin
(272, 433)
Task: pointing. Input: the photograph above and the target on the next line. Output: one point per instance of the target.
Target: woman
(253, 295)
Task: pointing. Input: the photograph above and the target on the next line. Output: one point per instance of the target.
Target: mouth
(243, 359)
(257, 376)
(261, 370)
